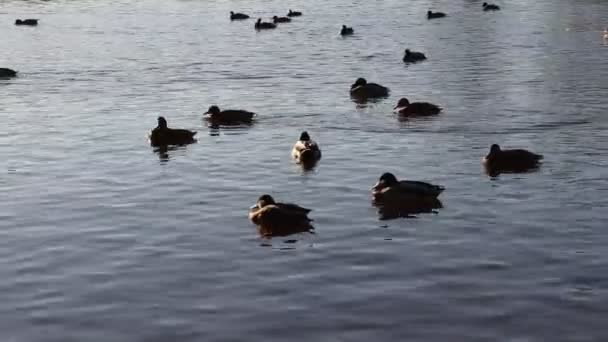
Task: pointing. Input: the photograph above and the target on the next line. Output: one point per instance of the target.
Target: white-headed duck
(405, 108)
(163, 135)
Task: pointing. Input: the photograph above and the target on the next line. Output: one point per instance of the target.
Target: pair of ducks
(27, 22)
(486, 7)
(260, 25)
(6, 73)
(243, 16)
(286, 218)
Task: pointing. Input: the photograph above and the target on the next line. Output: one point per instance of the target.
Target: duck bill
(254, 206)
(378, 186)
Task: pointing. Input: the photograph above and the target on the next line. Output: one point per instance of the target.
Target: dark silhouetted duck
(305, 150)
(28, 22)
(259, 25)
(163, 135)
(294, 13)
(279, 218)
(389, 189)
(413, 56)
(517, 160)
(238, 16)
(434, 15)
(6, 73)
(346, 30)
(363, 90)
(405, 108)
(228, 116)
(490, 7)
(276, 19)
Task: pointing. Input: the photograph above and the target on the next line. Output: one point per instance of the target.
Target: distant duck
(606, 33)
(405, 108)
(490, 7)
(294, 13)
(276, 19)
(346, 30)
(517, 160)
(6, 73)
(28, 22)
(413, 56)
(434, 15)
(163, 135)
(389, 189)
(363, 90)
(238, 16)
(228, 116)
(305, 150)
(259, 25)
(279, 218)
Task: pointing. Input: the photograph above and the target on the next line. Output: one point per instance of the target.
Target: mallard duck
(434, 15)
(229, 116)
(362, 89)
(517, 160)
(259, 25)
(294, 13)
(490, 7)
(277, 19)
(238, 16)
(404, 107)
(163, 135)
(346, 30)
(306, 150)
(413, 56)
(389, 189)
(28, 22)
(279, 218)
(6, 73)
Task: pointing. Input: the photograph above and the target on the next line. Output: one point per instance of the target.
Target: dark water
(102, 240)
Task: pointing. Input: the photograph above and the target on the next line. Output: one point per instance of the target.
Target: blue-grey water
(102, 239)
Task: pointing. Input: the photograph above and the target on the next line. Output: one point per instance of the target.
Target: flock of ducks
(393, 197)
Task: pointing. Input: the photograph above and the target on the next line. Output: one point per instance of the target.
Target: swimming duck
(163, 135)
(6, 72)
(362, 89)
(490, 7)
(434, 15)
(405, 108)
(306, 150)
(259, 25)
(517, 160)
(346, 30)
(238, 16)
(28, 22)
(276, 19)
(294, 13)
(606, 33)
(413, 56)
(279, 218)
(389, 189)
(228, 116)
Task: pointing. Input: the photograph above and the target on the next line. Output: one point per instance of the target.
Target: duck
(606, 33)
(238, 16)
(516, 160)
(490, 7)
(413, 56)
(6, 73)
(279, 218)
(389, 189)
(259, 25)
(405, 108)
(306, 150)
(434, 15)
(276, 19)
(28, 22)
(346, 30)
(228, 116)
(163, 135)
(364, 90)
(294, 13)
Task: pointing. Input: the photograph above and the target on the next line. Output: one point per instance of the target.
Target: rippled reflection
(407, 209)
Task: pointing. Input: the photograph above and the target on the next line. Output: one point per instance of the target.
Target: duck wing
(293, 207)
(420, 188)
(424, 108)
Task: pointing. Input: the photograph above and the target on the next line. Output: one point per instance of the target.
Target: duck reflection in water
(279, 219)
(407, 208)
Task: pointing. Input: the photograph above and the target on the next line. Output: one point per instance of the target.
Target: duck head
(484, 4)
(263, 201)
(213, 110)
(275, 17)
(18, 21)
(343, 27)
(429, 13)
(408, 52)
(387, 179)
(304, 136)
(402, 103)
(231, 12)
(259, 21)
(162, 122)
(359, 82)
(494, 149)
